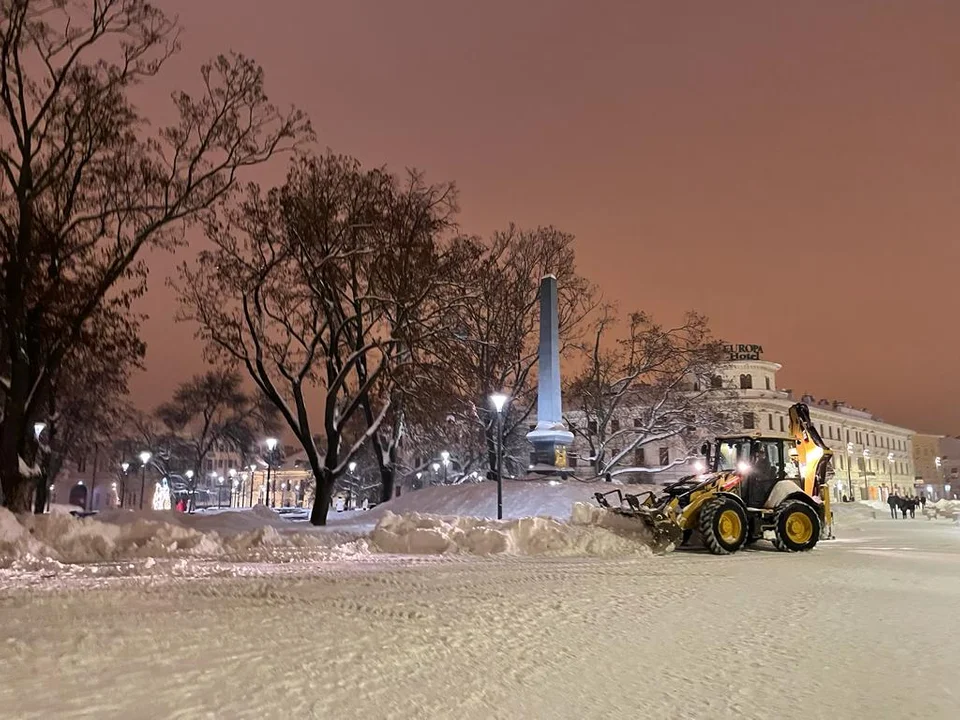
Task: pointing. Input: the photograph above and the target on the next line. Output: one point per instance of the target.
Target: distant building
(937, 462)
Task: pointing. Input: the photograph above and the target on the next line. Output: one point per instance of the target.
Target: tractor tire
(797, 527)
(723, 525)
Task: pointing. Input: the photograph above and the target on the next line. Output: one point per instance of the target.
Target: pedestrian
(923, 502)
(893, 501)
(913, 507)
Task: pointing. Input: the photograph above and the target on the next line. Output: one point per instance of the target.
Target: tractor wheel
(797, 527)
(723, 525)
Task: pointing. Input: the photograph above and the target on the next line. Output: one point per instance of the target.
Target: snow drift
(947, 509)
(149, 534)
(590, 532)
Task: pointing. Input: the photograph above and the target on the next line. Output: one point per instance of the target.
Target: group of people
(905, 505)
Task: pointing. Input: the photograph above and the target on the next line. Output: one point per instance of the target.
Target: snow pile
(947, 509)
(590, 532)
(526, 498)
(849, 515)
(148, 534)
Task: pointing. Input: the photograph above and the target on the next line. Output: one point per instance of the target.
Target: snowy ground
(860, 628)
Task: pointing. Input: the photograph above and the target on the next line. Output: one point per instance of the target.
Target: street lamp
(271, 446)
(144, 459)
(233, 477)
(445, 458)
(189, 474)
(123, 484)
(866, 481)
(38, 428)
(890, 469)
(499, 400)
(253, 469)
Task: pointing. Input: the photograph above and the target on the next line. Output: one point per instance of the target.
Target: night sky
(789, 168)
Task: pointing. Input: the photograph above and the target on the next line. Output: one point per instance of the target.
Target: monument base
(549, 456)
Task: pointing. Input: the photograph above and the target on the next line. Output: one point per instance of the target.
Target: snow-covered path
(864, 627)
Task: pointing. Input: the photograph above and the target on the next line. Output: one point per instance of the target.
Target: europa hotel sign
(743, 352)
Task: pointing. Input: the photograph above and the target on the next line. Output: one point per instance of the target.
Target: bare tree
(302, 292)
(85, 189)
(208, 411)
(652, 385)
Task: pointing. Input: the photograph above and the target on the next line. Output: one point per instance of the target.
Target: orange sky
(789, 168)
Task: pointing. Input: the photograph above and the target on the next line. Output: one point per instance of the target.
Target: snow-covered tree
(308, 289)
(648, 385)
(86, 186)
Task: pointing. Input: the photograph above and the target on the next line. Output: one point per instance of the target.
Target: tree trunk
(388, 477)
(321, 503)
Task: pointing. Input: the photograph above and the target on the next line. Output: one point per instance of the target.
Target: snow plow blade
(664, 531)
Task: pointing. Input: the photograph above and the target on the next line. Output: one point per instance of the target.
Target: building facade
(937, 463)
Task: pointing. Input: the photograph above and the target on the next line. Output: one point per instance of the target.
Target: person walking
(893, 500)
(923, 502)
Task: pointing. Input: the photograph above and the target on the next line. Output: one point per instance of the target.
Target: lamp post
(890, 469)
(866, 481)
(190, 500)
(123, 483)
(253, 469)
(849, 463)
(41, 502)
(144, 459)
(499, 400)
(271, 446)
(351, 469)
(445, 460)
(235, 484)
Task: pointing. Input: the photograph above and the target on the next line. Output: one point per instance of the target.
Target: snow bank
(590, 532)
(521, 499)
(121, 535)
(947, 509)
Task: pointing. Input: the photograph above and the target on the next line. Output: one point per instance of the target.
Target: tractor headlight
(743, 468)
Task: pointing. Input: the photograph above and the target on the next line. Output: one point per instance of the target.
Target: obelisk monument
(550, 438)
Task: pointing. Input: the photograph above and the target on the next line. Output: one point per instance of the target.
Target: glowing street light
(144, 459)
(499, 401)
(271, 444)
(352, 467)
(38, 429)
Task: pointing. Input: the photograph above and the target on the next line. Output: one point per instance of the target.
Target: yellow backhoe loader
(756, 486)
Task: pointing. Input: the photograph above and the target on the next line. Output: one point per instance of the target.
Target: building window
(822, 433)
(781, 424)
(592, 427)
(615, 425)
(716, 382)
(572, 459)
(639, 457)
(770, 420)
(664, 456)
(830, 431)
(749, 422)
(746, 382)
(637, 422)
(767, 381)
(82, 464)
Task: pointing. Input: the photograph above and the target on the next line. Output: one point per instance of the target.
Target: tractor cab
(761, 461)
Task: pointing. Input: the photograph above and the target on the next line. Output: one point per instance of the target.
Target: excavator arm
(813, 454)
(814, 458)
